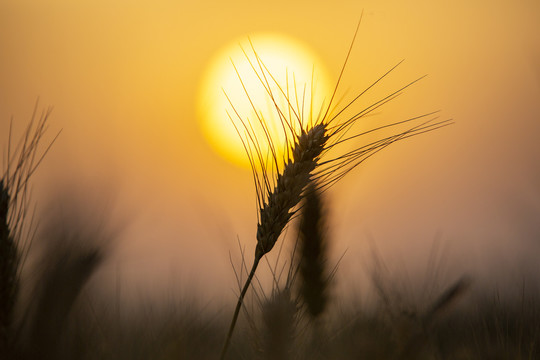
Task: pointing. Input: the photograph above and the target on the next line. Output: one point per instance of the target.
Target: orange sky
(123, 77)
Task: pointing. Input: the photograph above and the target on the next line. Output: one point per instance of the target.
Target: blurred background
(124, 79)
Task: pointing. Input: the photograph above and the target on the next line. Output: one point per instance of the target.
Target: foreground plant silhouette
(311, 152)
(16, 229)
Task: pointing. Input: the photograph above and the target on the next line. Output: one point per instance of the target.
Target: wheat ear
(313, 251)
(281, 180)
(8, 272)
(277, 210)
(16, 228)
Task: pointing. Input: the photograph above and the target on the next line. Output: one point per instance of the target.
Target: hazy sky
(124, 76)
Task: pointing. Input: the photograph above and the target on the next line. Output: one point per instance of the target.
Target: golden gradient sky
(123, 77)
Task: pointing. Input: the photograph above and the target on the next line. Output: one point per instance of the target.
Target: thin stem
(239, 306)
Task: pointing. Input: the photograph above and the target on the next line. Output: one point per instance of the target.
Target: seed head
(279, 206)
(280, 179)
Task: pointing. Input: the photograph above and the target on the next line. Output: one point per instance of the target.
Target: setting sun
(234, 87)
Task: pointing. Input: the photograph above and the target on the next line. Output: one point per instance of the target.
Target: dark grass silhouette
(9, 258)
(313, 255)
(61, 281)
(72, 245)
(21, 159)
(314, 271)
(280, 317)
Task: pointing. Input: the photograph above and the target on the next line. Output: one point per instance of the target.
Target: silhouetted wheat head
(20, 162)
(314, 275)
(311, 150)
(8, 271)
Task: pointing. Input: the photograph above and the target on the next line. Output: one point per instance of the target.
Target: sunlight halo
(296, 69)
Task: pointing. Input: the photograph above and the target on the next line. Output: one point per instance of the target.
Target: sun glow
(234, 89)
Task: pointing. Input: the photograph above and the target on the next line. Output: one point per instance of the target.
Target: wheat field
(48, 312)
(123, 235)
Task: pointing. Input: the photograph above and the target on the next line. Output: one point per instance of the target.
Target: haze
(123, 78)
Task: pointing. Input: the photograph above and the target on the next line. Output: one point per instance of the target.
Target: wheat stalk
(280, 181)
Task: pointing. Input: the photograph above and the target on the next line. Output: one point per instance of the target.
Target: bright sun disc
(297, 74)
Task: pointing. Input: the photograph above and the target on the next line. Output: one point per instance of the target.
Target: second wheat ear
(280, 182)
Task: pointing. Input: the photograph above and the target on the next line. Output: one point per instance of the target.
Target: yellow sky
(123, 77)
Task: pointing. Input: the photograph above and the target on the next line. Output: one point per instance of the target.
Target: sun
(299, 84)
